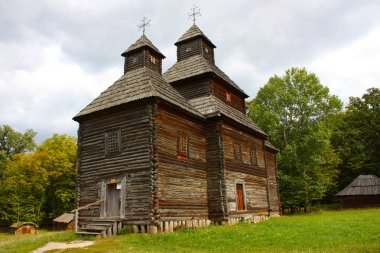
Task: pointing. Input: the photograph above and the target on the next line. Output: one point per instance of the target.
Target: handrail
(86, 206)
(76, 211)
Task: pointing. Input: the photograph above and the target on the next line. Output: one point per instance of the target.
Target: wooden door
(112, 201)
(240, 196)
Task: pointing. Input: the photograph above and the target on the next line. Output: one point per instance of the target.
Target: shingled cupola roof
(193, 32)
(142, 42)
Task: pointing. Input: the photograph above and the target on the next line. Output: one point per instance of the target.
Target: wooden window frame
(253, 153)
(135, 59)
(228, 96)
(188, 48)
(237, 152)
(182, 139)
(112, 142)
(153, 59)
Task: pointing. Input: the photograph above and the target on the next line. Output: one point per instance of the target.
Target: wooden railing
(76, 212)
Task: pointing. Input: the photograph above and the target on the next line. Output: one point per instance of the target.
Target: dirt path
(62, 245)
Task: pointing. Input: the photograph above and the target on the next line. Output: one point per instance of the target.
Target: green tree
(22, 191)
(294, 110)
(12, 142)
(357, 137)
(60, 162)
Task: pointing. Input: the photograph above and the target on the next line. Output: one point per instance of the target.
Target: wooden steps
(96, 226)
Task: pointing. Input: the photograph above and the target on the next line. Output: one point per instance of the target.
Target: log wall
(184, 51)
(220, 91)
(133, 162)
(194, 88)
(273, 182)
(181, 183)
(252, 176)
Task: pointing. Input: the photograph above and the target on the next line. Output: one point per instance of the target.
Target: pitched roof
(210, 106)
(135, 85)
(143, 41)
(194, 66)
(193, 32)
(65, 218)
(22, 223)
(362, 185)
(270, 145)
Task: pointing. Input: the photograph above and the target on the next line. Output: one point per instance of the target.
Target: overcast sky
(57, 56)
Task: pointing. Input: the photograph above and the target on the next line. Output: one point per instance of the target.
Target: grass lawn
(327, 231)
(26, 243)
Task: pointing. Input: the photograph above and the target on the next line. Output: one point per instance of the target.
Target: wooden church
(161, 151)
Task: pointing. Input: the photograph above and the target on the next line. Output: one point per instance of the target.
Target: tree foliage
(12, 142)
(294, 110)
(60, 162)
(357, 137)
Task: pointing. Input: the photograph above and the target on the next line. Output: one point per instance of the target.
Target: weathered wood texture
(207, 51)
(220, 91)
(216, 190)
(142, 58)
(360, 201)
(243, 171)
(182, 185)
(194, 88)
(188, 49)
(273, 182)
(133, 162)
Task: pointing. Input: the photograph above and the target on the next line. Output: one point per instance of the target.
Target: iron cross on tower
(144, 23)
(195, 11)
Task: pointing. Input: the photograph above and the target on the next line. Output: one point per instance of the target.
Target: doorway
(113, 200)
(240, 197)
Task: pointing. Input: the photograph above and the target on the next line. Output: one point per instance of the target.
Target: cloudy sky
(57, 56)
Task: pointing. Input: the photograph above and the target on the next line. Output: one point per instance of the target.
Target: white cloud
(352, 69)
(47, 97)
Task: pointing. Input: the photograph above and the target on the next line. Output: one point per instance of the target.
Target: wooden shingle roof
(211, 106)
(65, 218)
(194, 66)
(135, 85)
(362, 185)
(143, 41)
(193, 32)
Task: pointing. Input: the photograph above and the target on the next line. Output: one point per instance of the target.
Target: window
(237, 151)
(188, 48)
(253, 152)
(153, 59)
(206, 49)
(182, 145)
(240, 201)
(228, 96)
(112, 142)
(135, 59)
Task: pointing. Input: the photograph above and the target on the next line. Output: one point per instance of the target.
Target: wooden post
(152, 230)
(76, 221)
(135, 229)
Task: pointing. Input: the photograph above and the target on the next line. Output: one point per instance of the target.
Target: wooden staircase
(95, 226)
(102, 227)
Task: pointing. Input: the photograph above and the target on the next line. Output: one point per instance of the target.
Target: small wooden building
(161, 149)
(64, 222)
(24, 228)
(364, 191)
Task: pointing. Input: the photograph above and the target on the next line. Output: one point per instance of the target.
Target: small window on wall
(228, 96)
(182, 146)
(153, 59)
(112, 141)
(253, 152)
(135, 59)
(206, 49)
(188, 48)
(237, 151)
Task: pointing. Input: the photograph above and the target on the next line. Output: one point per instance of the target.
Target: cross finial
(144, 23)
(195, 11)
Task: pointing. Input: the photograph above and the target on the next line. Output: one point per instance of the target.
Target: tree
(294, 110)
(22, 191)
(357, 137)
(60, 162)
(12, 142)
